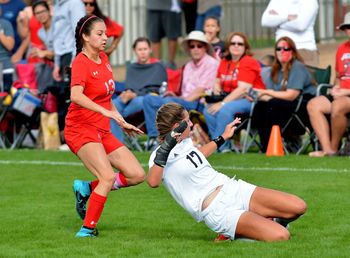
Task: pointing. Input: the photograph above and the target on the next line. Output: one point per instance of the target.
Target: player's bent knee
(299, 208)
(108, 181)
(138, 176)
(281, 235)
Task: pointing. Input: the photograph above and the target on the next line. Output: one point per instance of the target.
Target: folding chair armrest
(321, 87)
(300, 100)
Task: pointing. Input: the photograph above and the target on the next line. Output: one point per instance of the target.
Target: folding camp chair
(250, 136)
(25, 109)
(321, 78)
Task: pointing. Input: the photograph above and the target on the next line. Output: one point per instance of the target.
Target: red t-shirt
(247, 70)
(98, 83)
(342, 64)
(35, 41)
(113, 29)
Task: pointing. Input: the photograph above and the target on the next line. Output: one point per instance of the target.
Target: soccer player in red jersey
(87, 130)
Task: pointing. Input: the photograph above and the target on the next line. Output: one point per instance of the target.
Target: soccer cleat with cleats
(87, 232)
(82, 193)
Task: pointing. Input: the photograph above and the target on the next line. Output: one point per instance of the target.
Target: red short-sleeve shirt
(98, 83)
(342, 65)
(113, 29)
(247, 69)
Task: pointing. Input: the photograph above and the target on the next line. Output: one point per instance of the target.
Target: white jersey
(189, 177)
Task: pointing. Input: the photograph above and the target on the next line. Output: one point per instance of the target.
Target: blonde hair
(168, 115)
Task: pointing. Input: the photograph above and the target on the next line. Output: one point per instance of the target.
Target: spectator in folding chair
(237, 73)
(197, 77)
(336, 104)
(144, 76)
(289, 78)
(7, 43)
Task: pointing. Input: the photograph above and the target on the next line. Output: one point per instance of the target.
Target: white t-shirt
(189, 177)
(300, 30)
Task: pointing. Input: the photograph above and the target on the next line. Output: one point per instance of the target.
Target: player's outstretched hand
(131, 130)
(168, 144)
(230, 128)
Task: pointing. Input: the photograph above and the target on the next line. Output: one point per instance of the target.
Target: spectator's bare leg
(339, 120)
(317, 108)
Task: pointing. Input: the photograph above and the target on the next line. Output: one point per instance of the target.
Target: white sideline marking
(286, 169)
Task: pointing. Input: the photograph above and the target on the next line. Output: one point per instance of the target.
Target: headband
(82, 26)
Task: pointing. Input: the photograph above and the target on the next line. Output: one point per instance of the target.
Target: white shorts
(224, 211)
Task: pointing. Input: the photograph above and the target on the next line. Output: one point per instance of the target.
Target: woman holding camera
(237, 73)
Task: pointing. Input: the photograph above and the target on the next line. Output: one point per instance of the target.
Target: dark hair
(141, 39)
(97, 12)
(168, 115)
(40, 2)
(212, 17)
(277, 66)
(84, 26)
(247, 52)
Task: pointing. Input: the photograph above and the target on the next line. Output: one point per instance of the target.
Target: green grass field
(38, 217)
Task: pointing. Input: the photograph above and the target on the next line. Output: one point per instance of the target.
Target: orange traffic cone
(275, 147)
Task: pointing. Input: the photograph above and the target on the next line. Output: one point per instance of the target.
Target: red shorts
(78, 135)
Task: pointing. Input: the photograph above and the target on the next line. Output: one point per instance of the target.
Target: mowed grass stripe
(257, 169)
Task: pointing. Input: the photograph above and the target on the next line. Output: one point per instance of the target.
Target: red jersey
(342, 64)
(98, 83)
(247, 70)
(113, 29)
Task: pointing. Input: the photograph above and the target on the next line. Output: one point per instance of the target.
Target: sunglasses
(283, 48)
(41, 12)
(90, 4)
(346, 27)
(196, 46)
(240, 44)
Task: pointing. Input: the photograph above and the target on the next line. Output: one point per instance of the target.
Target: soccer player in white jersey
(232, 208)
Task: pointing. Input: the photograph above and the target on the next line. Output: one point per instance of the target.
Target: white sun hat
(197, 36)
(346, 21)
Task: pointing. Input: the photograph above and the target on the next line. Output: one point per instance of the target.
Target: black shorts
(162, 24)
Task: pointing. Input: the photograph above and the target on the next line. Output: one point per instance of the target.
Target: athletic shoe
(82, 193)
(221, 238)
(87, 232)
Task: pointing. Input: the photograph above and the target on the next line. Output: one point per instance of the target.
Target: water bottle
(163, 88)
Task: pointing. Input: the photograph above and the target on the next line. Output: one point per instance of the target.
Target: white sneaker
(63, 147)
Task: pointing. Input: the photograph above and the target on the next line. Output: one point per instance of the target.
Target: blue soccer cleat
(82, 193)
(87, 232)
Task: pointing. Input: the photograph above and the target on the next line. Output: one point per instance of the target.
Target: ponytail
(84, 26)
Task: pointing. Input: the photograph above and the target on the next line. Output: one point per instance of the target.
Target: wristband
(219, 141)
